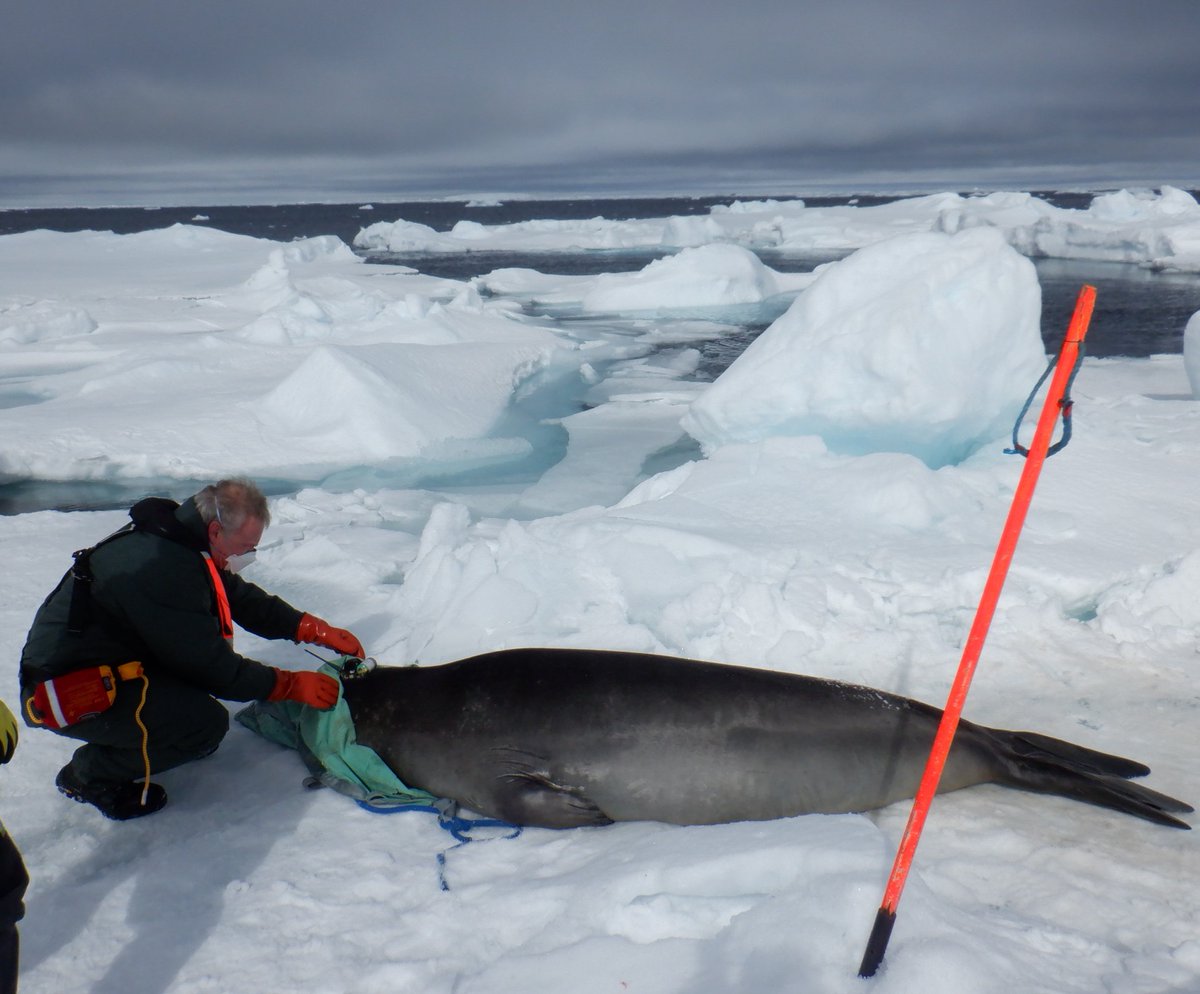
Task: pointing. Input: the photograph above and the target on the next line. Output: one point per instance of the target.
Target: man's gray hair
(230, 502)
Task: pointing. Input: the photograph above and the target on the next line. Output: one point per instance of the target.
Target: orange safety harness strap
(224, 615)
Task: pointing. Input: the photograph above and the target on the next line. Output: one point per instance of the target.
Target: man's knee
(212, 729)
(196, 732)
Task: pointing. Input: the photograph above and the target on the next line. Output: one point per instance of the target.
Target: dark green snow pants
(183, 722)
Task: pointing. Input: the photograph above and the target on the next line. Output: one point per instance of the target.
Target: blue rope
(457, 825)
(1066, 404)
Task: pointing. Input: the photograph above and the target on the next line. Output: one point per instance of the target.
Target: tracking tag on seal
(353, 668)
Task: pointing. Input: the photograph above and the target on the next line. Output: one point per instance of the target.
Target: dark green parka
(152, 600)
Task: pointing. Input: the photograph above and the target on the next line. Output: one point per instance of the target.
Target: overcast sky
(251, 101)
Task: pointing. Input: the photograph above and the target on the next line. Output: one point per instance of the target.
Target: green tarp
(329, 747)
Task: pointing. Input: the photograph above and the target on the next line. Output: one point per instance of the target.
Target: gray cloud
(264, 99)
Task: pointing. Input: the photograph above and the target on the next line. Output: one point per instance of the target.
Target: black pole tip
(877, 944)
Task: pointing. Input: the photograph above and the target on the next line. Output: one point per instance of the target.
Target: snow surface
(469, 471)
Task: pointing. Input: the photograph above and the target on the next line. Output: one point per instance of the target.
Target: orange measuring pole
(1067, 359)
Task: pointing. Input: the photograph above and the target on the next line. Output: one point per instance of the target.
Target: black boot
(119, 801)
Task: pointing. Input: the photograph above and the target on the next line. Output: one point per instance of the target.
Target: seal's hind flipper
(1078, 757)
(1108, 792)
(1051, 766)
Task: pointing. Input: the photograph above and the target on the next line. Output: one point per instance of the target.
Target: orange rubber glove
(317, 690)
(318, 632)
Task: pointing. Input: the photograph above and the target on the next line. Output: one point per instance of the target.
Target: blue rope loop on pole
(1066, 405)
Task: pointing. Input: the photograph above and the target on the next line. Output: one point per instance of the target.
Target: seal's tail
(1052, 766)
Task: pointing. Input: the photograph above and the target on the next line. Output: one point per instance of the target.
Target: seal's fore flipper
(527, 795)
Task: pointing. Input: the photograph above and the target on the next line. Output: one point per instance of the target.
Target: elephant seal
(561, 737)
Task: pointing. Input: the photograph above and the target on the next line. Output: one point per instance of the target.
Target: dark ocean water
(1138, 312)
(287, 221)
